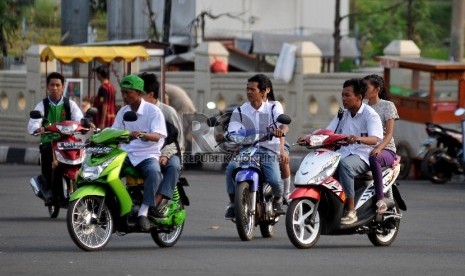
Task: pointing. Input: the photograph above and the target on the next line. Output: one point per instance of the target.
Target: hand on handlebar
(39, 131)
(279, 133)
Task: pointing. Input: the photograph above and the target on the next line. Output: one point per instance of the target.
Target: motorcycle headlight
(326, 172)
(67, 129)
(93, 172)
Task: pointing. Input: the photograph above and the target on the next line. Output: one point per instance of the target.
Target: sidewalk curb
(17, 155)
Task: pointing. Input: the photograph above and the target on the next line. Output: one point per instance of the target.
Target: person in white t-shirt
(257, 115)
(143, 153)
(364, 129)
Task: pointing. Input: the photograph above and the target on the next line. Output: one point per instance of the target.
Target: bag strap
(67, 107)
(340, 115)
(46, 103)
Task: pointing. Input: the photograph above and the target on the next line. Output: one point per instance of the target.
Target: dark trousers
(46, 159)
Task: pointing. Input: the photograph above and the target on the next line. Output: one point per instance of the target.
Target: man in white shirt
(256, 115)
(364, 129)
(143, 153)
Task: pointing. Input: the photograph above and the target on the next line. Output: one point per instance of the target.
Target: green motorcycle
(109, 196)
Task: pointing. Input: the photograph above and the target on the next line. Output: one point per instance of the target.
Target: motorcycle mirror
(211, 122)
(130, 116)
(35, 114)
(85, 122)
(284, 119)
(459, 112)
(91, 111)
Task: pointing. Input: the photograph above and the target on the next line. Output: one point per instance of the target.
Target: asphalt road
(431, 240)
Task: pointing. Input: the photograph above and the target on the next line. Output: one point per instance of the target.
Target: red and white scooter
(68, 154)
(318, 201)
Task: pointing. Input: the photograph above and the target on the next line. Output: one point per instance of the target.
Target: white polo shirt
(149, 119)
(365, 123)
(257, 120)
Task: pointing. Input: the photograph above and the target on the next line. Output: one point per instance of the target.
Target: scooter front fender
(88, 190)
(306, 192)
(248, 176)
(97, 190)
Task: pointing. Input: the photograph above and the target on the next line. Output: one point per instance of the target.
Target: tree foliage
(430, 24)
(9, 21)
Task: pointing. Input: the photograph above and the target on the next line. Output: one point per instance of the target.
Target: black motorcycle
(443, 159)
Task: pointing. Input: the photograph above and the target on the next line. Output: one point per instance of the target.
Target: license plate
(70, 145)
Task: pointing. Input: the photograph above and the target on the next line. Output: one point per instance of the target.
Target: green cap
(132, 82)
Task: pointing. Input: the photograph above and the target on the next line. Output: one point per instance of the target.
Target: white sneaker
(350, 217)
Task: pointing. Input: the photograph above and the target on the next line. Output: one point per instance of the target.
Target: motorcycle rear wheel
(301, 233)
(384, 236)
(430, 168)
(89, 231)
(266, 229)
(245, 220)
(168, 239)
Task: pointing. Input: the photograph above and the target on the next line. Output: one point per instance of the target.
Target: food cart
(424, 91)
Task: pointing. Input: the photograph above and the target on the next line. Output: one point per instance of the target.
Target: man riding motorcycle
(148, 134)
(256, 115)
(171, 152)
(55, 108)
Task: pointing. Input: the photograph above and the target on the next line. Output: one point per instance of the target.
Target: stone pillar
(205, 54)
(36, 75)
(308, 61)
(308, 58)
(402, 48)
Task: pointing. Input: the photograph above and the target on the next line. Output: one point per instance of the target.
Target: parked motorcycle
(68, 154)
(104, 203)
(253, 198)
(318, 201)
(443, 153)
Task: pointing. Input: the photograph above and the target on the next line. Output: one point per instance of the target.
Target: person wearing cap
(171, 153)
(105, 99)
(143, 153)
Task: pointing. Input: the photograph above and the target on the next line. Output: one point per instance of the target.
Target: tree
(337, 25)
(199, 20)
(9, 22)
(425, 22)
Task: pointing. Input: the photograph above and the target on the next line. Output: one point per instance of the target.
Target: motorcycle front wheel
(62, 182)
(302, 232)
(88, 229)
(245, 220)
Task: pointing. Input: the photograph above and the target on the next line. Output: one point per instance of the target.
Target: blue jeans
(348, 168)
(270, 167)
(150, 171)
(171, 172)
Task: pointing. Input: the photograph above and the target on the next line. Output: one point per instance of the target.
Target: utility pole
(456, 30)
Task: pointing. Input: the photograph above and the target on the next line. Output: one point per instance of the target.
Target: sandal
(382, 207)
